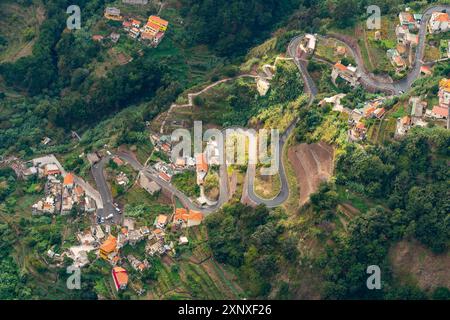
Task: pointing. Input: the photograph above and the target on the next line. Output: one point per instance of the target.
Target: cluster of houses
(402, 55)
(419, 110)
(151, 32)
(374, 109)
(62, 193)
(371, 110)
(156, 244)
(406, 32)
(165, 170)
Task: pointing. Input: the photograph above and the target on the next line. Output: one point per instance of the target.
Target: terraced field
(313, 164)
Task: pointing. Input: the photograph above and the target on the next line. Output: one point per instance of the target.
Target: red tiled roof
(201, 162)
(443, 112)
(68, 179)
(340, 66)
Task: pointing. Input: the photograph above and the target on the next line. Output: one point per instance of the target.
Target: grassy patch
(186, 182)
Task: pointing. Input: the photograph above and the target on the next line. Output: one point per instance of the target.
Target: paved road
(311, 89)
(105, 192)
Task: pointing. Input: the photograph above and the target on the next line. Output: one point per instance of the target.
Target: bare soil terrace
(313, 164)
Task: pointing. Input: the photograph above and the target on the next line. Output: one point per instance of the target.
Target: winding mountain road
(367, 79)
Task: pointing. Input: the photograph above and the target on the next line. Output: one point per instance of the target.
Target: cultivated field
(313, 164)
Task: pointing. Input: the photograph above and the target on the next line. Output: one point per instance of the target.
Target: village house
(113, 13)
(397, 57)
(407, 19)
(137, 264)
(426, 70)
(46, 141)
(161, 221)
(403, 125)
(120, 278)
(114, 37)
(51, 169)
(93, 158)
(439, 22)
(126, 25)
(417, 106)
(108, 250)
(161, 23)
(335, 101)
(150, 186)
(183, 240)
(97, 38)
(122, 238)
(98, 233)
(202, 167)
(263, 86)
(122, 179)
(308, 45)
(155, 246)
(348, 73)
(164, 176)
(379, 113)
(438, 113)
(68, 181)
(85, 238)
(358, 132)
(134, 33)
(184, 219)
(134, 236)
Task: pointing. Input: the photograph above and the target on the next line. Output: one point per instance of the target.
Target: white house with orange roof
(348, 73)
(68, 181)
(439, 22)
(120, 278)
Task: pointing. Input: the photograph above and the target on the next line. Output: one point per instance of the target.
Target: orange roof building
(68, 180)
(340, 66)
(439, 112)
(406, 121)
(202, 165)
(369, 111)
(161, 23)
(186, 219)
(120, 277)
(161, 221)
(108, 247)
(164, 176)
